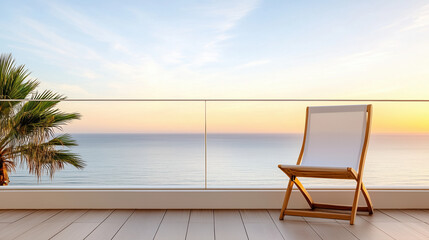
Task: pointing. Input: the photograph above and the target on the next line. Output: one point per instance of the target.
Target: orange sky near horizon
(229, 117)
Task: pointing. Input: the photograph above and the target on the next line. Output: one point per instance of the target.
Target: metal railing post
(205, 144)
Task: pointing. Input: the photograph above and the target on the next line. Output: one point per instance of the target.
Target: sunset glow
(230, 117)
(224, 49)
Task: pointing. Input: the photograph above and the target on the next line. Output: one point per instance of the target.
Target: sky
(223, 49)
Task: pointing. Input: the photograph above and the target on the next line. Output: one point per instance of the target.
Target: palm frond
(28, 129)
(64, 140)
(14, 82)
(36, 121)
(46, 158)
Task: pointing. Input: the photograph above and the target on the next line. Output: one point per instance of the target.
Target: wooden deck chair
(334, 146)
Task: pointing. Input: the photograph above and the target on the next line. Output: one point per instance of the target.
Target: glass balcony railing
(223, 144)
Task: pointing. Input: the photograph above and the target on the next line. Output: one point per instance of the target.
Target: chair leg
(304, 193)
(367, 199)
(355, 202)
(286, 200)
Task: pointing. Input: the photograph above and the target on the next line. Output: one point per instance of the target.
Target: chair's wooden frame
(294, 171)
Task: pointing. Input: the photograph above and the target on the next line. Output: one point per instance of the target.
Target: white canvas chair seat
(334, 146)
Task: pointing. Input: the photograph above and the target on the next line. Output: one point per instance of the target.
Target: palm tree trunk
(4, 178)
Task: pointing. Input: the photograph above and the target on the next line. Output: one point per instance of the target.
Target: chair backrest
(336, 136)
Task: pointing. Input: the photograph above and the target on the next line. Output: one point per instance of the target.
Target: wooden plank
(393, 227)
(142, 224)
(329, 228)
(94, 216)
(19, 227)
(228, 225)
(419, 214)
(259, 225)
(410, 221)
(3, 225)
(14, 215)
(332, 230)
(400, 216)
(364, 230)
(206, 224)
(110, 226)
(76, 231)
(201, 225)
(421, 228)
(84, 225)
(378, 216)
(52, 226)
(292, 227)
(174, 225)
(398, 230)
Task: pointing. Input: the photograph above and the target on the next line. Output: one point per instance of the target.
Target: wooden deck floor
(206, 224)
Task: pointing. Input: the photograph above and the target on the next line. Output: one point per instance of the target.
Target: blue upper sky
(222, 49)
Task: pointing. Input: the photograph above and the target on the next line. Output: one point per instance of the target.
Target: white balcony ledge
(138, 198)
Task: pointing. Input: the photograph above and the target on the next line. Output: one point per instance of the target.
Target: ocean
(233, 161)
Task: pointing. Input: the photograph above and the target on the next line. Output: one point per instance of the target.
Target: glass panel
(398, 153)
(247, 140)
(140, 144)
(161, 145)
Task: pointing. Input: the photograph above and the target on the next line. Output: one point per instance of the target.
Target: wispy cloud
(199, 38)
(88, 26)
(45, 41)
(152, 50)
(49, 46)
(419, 19)
(69, 89)
(254, 64)
(227, 15)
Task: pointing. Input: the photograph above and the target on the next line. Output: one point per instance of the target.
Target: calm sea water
(234, 160)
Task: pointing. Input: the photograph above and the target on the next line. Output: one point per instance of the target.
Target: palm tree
(28, 135)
